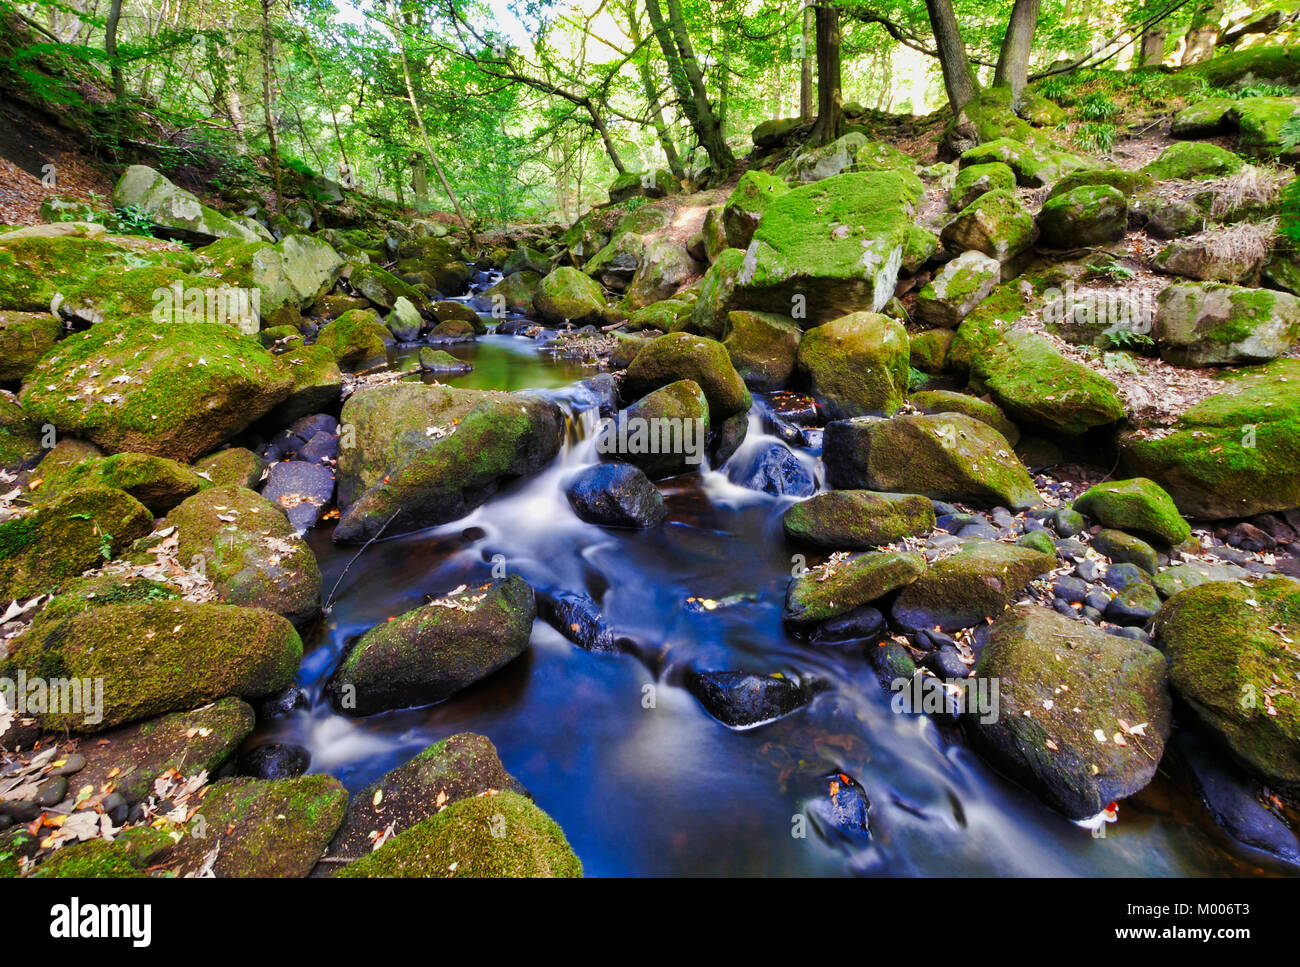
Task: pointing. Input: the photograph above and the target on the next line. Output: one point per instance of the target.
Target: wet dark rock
(274, 761)
(1135, 604)
(20, 810)
(1070, 589)
(844, 809)
(602, 389)
(860, 623)
(117, 808)
(616, 495)
(1118, 576)
(577, 616)
(743, 700)
(953, 521)
(980, 530)
(1069, 549)
(892, 661)
(517, 327)
(946, 663)
(726, 437)
(931, 639)
(1234, 801)
(1063, 607)
(285, 703)
(1088, 570)
(301, 490)
(1097, 599)
(321, 448)
(776, 470)
(72, 764)
(1137, 634)
(50, 792)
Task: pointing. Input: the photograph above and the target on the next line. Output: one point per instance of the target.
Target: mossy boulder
(1033, 162)
(178, 654)
(718, 297)
(681, 356)
(928, 351)
(459, 767)
(1086, 215)
(566, 295)
(655, 183)
(746, 204)
(1191, 160)
(158, 483)
(383, 289)
(317, 382)
(615, 265)
(174, 391)
(1231, 455)
(356, 340)
(947, 456)
(1124, 548)
(22, 441)
(839, 587)
(271, 828)
(856, 364)
(425, 455)
(664, 433)
(995, 223)
(24, 338)
(525, 259)
(947, 401)
(1212, 324)
(978, 179)
(1260, 120)
(66, 536)
(1204, 119)
(1065, 691)
(976, 583)
(291, 274)
(249, 550)
(1229, 660)
(959, 287)
(769, 134)
(1122, 180)
(670, 315)
(514, 293)
(830, 248)
(174, 212)
(664, 268)
(94, 859)
(857, 520)
(854, 152)
(429, 654)
(1193, 259)
(1138, 506)
(501, 835)
(762, 347)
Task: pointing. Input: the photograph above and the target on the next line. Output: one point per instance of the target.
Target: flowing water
(642, 779)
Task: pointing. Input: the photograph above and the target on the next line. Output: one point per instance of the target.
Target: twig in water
(329, 602)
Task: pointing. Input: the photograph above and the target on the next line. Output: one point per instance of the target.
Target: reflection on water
(642, 780)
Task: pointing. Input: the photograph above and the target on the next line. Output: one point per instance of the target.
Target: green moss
(820, 595)
(34, 270)
(946, 401)
(355, 339)
(856, 364)
(158, 483)
(976, 179)
(679, 356)
(25, 338)
(977, 582)
(94, 859)
(1138, 505)
(857, 519)
(1188, 160)
(746, 204)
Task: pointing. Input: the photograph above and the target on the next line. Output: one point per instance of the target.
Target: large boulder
(665, 433)
(679, 356)
(158, 483)
(947, 401)
(1082, 716)
(995, 223)
(615, 265)
(1260, 121)
(249, 551)
(1086, 215)
(616, 495)
(500, 834)
(664, 268)
(1205, 257)
(959, 287)
(174, 390)
(718, 297)
(288, 275)
(568, 296)
(856, 364)
(1229, 660)
(429, 654)
(979, 179)
(976, 583)
(427, 454)
(830, 248)
(839, 586)
(1231, 455)
(1137, 506)
(1224, 325)
(158, 657)
(173, 211)
(946, 456)
(1192, 160)
(1033, 160)
(746, 204)
(763, 347)
(24, 338)
(854, 152)
(857, 520)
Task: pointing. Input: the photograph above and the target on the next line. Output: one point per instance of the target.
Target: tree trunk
(829, 113)
(1153, 47)
(805, 62)
(110, 50)
(1202, 34)
(271, 135)
(1017, 45)
(958, 79)
(652, 98)
(688, 82)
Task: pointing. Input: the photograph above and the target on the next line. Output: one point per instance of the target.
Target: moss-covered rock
(1215, 325)
(1231, 455)
(1086, 215)
(158, 657)
(762, 347)
(158, 483)
(261, 828)
(948, 456)
(664, 433)
(1229, 661)
(566, 295)
(770, 133)
(502, 835)
(383, 289)
(947, 401)
(175, 391)
(356, 340)
(1260, 120)
(458, 767)
(615, 265)
(22, 441)
(670, 315)
(718, 298)
(95, 859)
(66, 536)
(424, 455)
(681, 356)
(1121, 179)
(1138, 505)
(429, 654)
(1204, 119)
(856, 364)
(665, 266)
(249, 550)
(317, 382)
(1193, 259)
(746, 204)
(1048, 737)
(1124, 548)
(1033, 161)
(830, 248)
(976, 583)
(995, 223)
(928, 351)
(840, 586)
(174, 212)
(959, 287)
(857, 520)
(977, 179)
(24, 338)
(514, 293)
(525, 258)
(291, 274)
(854, 152)
(1190, 160)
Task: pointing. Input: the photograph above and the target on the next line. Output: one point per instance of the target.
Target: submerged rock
(777, 471)
(743, 700)
(616, 495)
(576, 615)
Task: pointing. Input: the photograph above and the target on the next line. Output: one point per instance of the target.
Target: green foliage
(1095, 137)
(916, 380)
(1096, 107)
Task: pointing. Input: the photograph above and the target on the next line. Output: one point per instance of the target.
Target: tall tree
(110, 49)
(806, 29)
(1017, 45)
(830, 113)
(958, 77)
